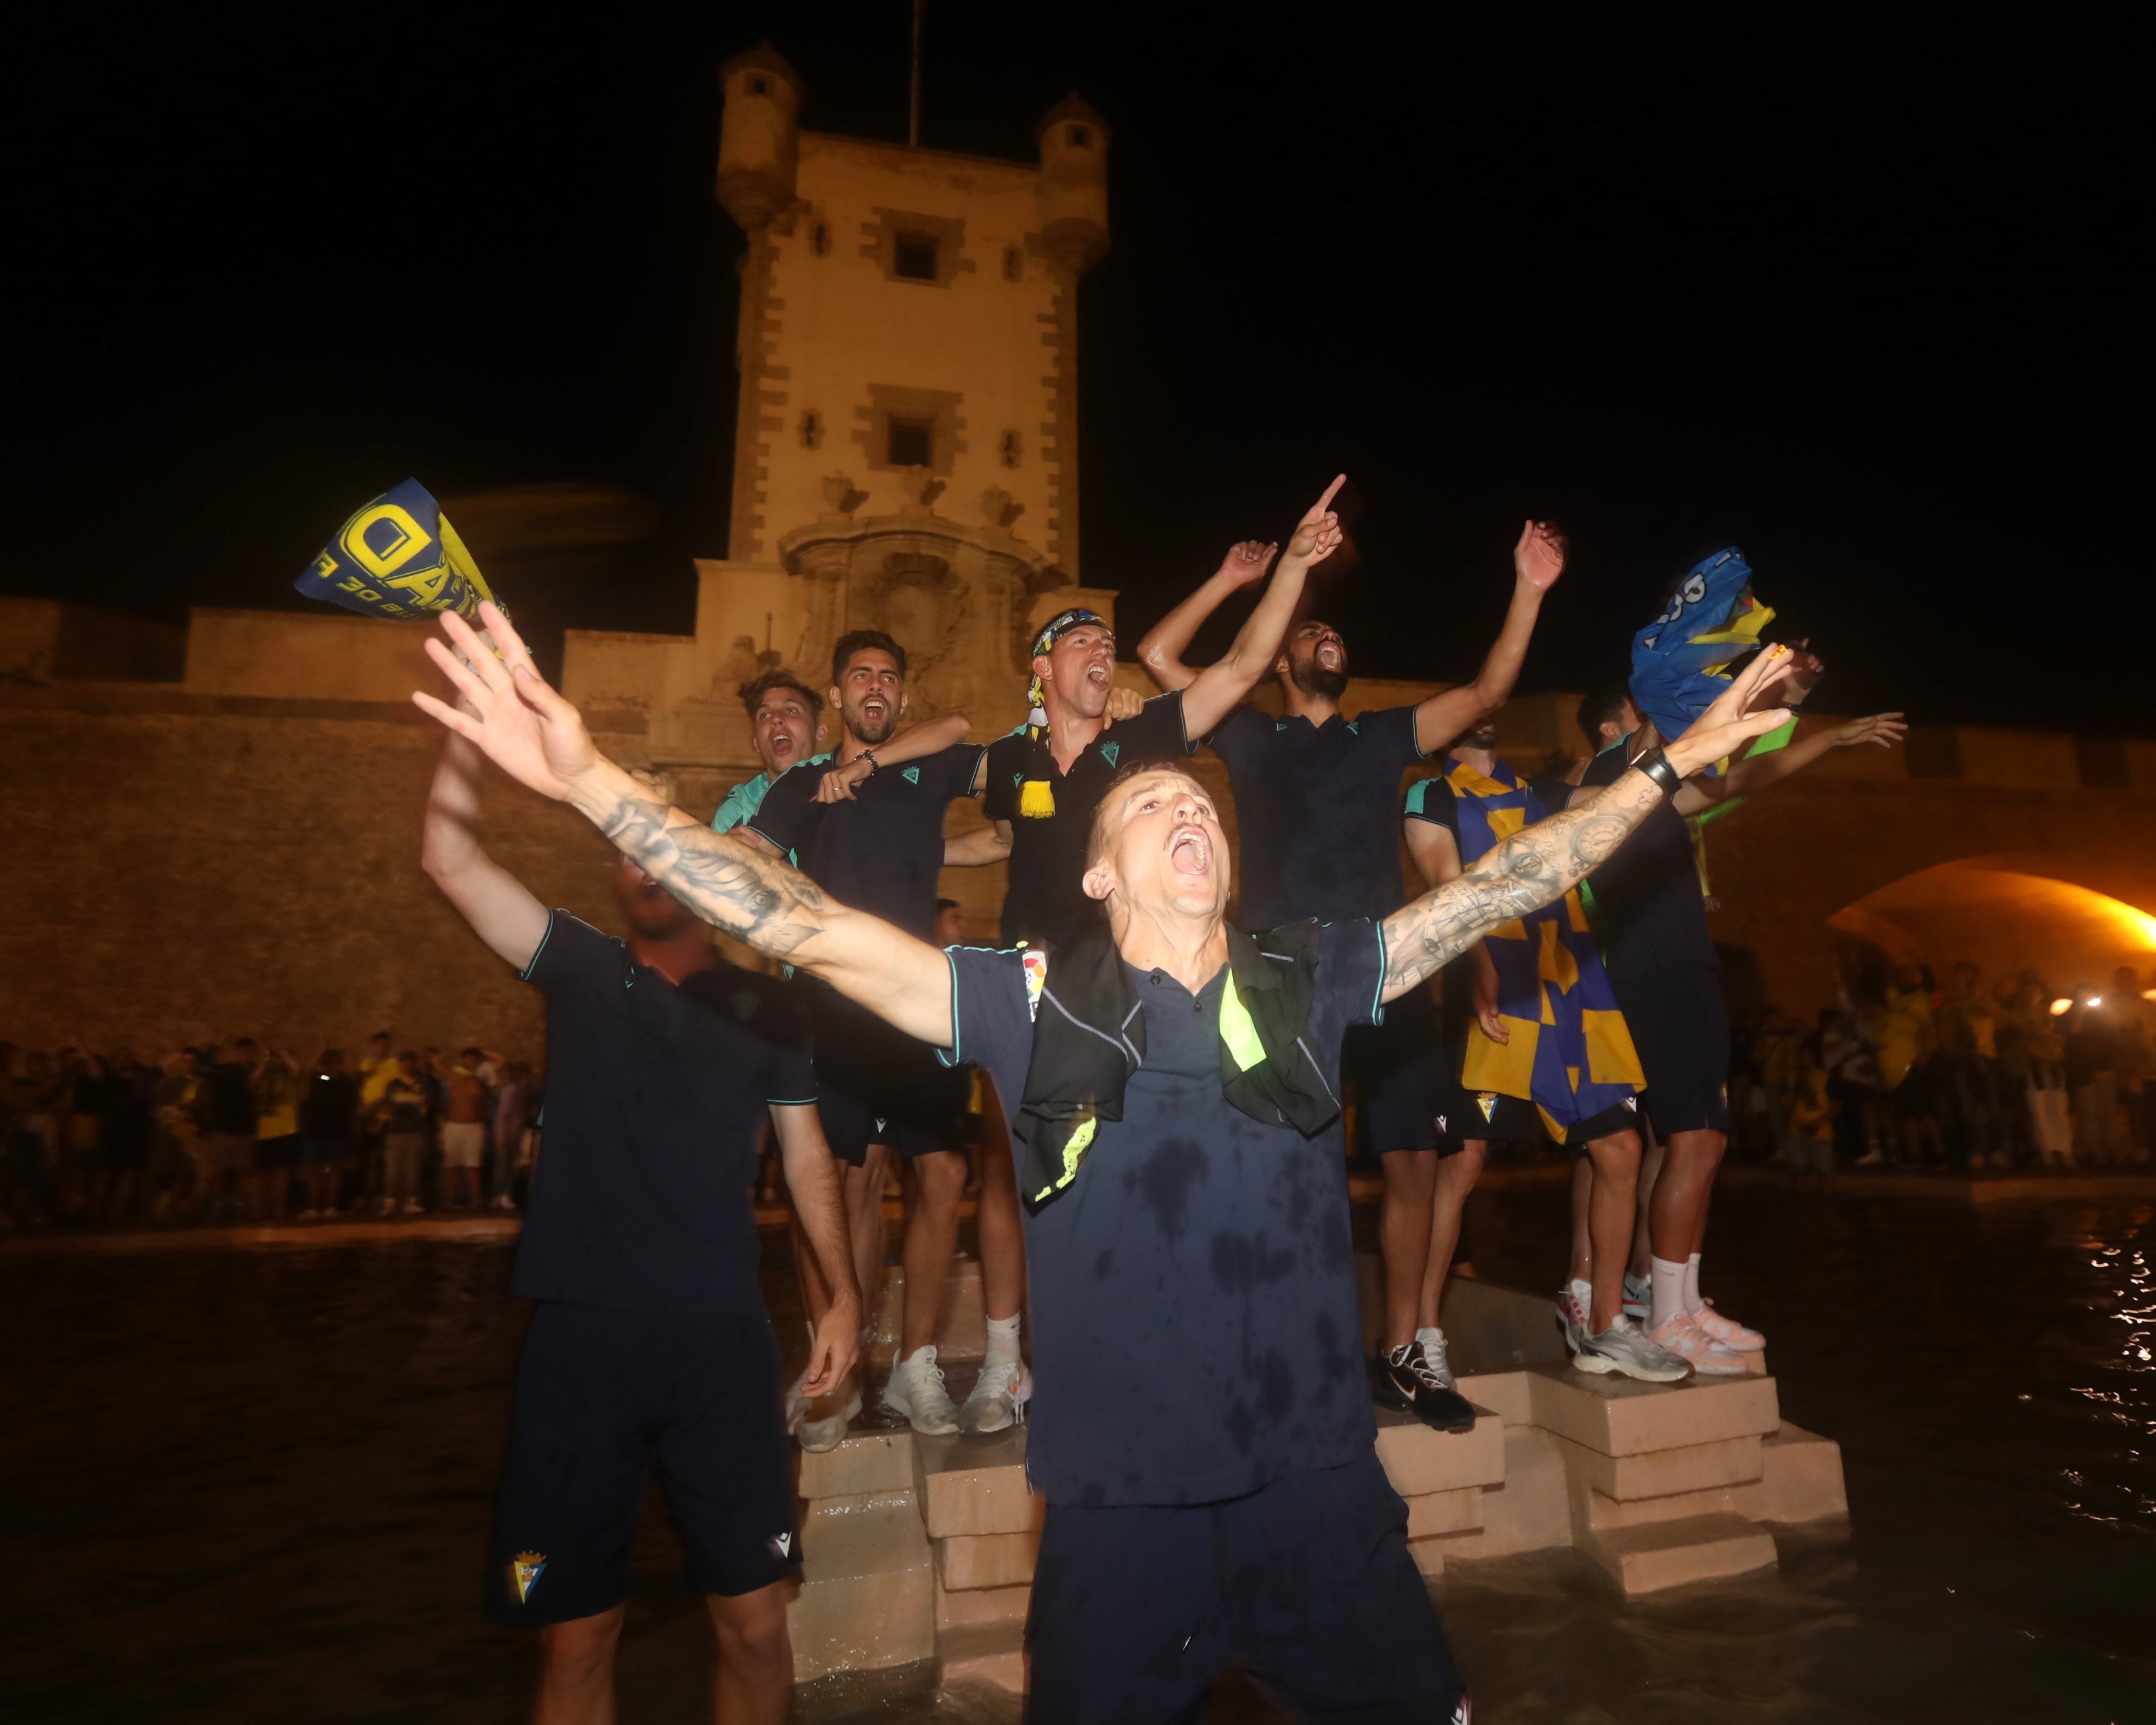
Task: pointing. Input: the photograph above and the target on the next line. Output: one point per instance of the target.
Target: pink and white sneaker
(1730, 1334)
(1689, 1343)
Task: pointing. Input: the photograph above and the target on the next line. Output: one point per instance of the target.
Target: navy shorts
(598, 1392)
(1397, 1070)
(1680, 1025)
(876, 1085)
(1307, 1583)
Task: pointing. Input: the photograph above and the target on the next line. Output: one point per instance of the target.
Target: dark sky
(1873, 305)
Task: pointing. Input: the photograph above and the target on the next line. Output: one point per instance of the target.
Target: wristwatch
(1656, 766)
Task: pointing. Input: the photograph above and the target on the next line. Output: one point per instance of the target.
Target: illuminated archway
(2009, 911)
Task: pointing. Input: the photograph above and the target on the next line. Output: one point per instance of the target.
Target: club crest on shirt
(782, 1545)
(1441, 1126)
(1110, 751)
(524, 1570)
(1035, 964)
(1487, 1102)
(911, 775)
(1631, 1102)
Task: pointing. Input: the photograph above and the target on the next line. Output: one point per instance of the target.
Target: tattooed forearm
(727, 881)
(1531, 869)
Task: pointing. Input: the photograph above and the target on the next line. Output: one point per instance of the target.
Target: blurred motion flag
(398, 558)
(1680, 661)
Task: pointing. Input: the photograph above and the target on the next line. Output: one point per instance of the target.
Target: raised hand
(1882, 730)
(1539, 559)
(516, 720)
(1805, 671)
(1122, 704)
(1734, 718)
(1246, 561)
(1317, 535)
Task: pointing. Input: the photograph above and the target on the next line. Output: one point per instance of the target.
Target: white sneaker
(999, 1396)
(1638, 1296)
(1572, 1315)
(915, 1392)
(1730, 1334)
(1624, 1347)
(827, 1432)
(1689, 1343)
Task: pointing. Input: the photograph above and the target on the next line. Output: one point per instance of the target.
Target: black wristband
(875, 765)
(1656, 766)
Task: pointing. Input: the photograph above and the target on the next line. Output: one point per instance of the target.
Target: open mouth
(872, 710)
(1099, 673)
(1329, 655)
(1190, 851)
(781, 746)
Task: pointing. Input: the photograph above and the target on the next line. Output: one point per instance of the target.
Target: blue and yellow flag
(1570, 1052)
(398, 558)
(1680, 661)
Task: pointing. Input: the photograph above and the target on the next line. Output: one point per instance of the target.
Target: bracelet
(1656, 766)
(875, 765)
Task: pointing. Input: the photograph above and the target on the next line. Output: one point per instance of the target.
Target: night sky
(1875, 307)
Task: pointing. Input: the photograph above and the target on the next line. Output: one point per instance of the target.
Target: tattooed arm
(1534, 867)
(539, 739)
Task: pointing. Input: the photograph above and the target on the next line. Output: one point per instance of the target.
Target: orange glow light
(2061, 1006)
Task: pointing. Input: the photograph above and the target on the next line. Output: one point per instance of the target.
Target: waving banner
(397, 558)
(1680, 661)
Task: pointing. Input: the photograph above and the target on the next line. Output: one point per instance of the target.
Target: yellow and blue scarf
(397, 558)
(1036, 796)
(1571, 1053)
(1680, 660)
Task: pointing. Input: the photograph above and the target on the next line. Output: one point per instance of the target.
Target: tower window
(819, 240)
(1014, 263)
(1081, 137)
(757, 86)
(913, 442)
(913, 256)
(1012, 449)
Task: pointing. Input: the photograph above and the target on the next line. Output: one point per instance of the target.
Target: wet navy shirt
(1047, 897)
(883, 851)
(656, 1096)
(1647, 895)
(1195, 1329)
(1314, 812)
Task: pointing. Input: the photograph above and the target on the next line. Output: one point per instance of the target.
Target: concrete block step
(1504, 1394)
(1622, 1416)
(984, 1653)
(1419, 1460)
(1436, 1512)
(978, 1606)
(868, 1585)
(1428, 1554)
(1666, 1554)
(972, 1484)
(864, 1461)
(1800, 1478)
(1529, 1512)
(967, 1561)
(964, 1334)
(1667, 1473)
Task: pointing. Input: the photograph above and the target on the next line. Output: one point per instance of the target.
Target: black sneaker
(1409, 1379)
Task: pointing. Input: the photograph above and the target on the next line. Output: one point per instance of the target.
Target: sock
(1002, 1341)
(1429, 1332)
(1669, 1301)
(1693, 1303)
(1583, 1295)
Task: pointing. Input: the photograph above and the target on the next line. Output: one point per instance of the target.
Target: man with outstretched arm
(1043, 781)
(639, 1246)
(1204, 1438)
(1316, 802)
(1661, 961)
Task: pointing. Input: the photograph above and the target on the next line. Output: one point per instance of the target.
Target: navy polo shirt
(1314, 812)
(1647, 895)
(883, 851)
(1046, 899)
(656, 1096)
(1195, 1331)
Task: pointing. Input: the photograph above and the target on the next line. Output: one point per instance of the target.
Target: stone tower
(905, 450)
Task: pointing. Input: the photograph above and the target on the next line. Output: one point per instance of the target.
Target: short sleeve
(1351, 972)
(742, 803)
(999, 791)
(992, 1015)
(1393, 729)
(961, 766)
(1157, 732)
(789, 808)
(1235, 737)
(573, 955)
(1433, 800)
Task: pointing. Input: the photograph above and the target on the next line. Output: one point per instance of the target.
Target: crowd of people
(1962, 1075)
(242, 1132)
